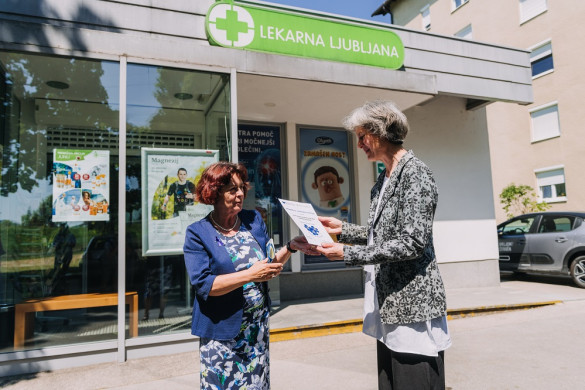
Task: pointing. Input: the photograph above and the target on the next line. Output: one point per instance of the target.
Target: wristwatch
(288, 248)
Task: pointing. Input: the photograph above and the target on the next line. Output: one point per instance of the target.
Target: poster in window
(169, 177)
(81, 185)
(324, 174)
(259, 151)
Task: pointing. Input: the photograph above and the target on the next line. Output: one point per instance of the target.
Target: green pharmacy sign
(260, 29)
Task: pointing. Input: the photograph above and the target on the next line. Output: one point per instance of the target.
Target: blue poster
(324, 169)
(324, 175)
(259, 151)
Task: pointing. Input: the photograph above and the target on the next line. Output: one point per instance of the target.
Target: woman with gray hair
(404, 301)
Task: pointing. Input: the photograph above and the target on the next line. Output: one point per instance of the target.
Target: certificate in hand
(305, 217)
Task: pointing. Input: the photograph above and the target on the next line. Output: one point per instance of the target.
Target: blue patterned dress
(241, 363)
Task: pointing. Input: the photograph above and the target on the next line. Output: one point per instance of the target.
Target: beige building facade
(539, 144)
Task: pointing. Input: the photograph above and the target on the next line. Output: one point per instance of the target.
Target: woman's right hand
(332, 225)
(262, 271)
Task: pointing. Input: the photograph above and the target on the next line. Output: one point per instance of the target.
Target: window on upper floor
(457, 3)
(531, 8)
(465, 33)
(551, 184)
(545, 122)
(541, 59)
(425, 13)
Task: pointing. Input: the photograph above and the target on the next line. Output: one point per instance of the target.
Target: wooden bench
(24, 312)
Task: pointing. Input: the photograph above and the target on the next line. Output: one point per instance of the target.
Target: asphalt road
(536, 349)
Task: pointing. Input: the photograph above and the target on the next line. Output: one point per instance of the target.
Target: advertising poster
(324, 174)
(169, 177)
(81, 185)
(259, 151)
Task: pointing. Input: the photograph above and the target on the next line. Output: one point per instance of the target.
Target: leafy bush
(521, 199)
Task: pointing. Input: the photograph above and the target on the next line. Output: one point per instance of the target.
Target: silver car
(551, 243)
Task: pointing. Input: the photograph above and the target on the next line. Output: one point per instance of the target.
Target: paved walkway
(292, 366)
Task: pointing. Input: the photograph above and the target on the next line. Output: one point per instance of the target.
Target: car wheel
(578, 271)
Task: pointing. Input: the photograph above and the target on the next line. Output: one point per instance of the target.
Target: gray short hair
(381, 118)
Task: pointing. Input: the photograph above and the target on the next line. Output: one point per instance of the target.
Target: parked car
(551, 243)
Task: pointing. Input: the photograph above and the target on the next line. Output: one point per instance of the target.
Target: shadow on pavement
(535, 278)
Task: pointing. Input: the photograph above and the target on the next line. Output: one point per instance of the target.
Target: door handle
(561, 239)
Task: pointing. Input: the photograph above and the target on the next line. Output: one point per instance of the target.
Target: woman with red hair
(226, 258)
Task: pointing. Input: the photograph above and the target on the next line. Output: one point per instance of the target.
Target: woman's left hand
(300, 243)
(333, 251)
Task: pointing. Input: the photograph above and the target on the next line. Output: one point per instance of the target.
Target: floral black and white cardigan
(408, 283)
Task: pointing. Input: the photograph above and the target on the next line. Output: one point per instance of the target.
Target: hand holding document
(305, 217)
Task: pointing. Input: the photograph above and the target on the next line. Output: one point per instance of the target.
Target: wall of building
(465, 228)
(482, 71)
(513, 154)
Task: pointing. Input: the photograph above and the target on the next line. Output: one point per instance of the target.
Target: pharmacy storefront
(110, 113)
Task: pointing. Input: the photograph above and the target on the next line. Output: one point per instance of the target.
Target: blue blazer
(217, 317)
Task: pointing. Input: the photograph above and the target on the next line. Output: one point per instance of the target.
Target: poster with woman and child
(81, 185)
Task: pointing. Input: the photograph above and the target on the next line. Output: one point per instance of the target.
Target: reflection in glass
(177, 109)
(48, 103)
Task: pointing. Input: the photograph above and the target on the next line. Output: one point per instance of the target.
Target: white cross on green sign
(266, 30)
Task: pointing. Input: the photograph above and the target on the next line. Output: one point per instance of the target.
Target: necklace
(221, 227)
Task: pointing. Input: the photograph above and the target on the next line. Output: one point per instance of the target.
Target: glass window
(541, 60)
(181, 110)
(465, 33)
(426, 17)
(545, 123)
(260, 152)
(531, 8)
(552, 224)
(59, 207)
(457, 3)
(517, 226)
(551, 185)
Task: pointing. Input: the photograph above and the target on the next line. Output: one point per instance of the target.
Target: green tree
(520, 199)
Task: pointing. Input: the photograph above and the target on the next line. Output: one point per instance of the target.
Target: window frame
(455, 7)
(427, 9)
(540, 56)
(544, 107)
(468, 30)
(526, 18)
(542, 181)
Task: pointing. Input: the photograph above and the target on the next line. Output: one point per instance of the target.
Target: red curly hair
(216, 176)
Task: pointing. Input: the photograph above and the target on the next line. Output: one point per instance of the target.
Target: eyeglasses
(234, 189)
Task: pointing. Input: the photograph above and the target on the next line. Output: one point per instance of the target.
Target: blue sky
(361, 9)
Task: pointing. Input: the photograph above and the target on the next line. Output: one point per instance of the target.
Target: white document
(305, 217)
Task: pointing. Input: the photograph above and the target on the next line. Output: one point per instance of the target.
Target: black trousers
(406, 371)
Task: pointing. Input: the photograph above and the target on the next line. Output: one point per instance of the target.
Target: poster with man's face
(324, 169)
(324, 172)
(169, 178)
